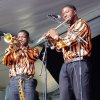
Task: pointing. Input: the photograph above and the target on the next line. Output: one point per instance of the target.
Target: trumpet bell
(7, 37)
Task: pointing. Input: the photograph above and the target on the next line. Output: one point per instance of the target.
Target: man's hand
(53, 33)
(7, 51)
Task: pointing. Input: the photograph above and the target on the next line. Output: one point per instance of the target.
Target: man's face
(22, 37)
(68, 14)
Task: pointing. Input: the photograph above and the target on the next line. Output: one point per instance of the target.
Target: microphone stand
(79, 39)
(44, 61)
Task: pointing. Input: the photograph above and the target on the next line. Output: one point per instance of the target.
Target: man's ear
(74, 12)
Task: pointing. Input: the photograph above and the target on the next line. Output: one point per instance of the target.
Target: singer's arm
(10, 53)
(80, 30)
(36, 53)
(55, 39)
(8, 58)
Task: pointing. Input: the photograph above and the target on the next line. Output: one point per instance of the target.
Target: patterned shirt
(21, 61)
(76, 43)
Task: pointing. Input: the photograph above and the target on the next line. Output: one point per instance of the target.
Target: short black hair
(70, 6)
(26, 32)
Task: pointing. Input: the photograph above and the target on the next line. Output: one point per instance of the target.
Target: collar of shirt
(24, 48)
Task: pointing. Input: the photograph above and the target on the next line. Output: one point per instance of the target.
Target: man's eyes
(21, 37)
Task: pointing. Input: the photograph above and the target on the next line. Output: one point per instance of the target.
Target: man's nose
(19, 39)
(65, 16)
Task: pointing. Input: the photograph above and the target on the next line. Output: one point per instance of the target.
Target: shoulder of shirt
(82, 21)
(79, 23)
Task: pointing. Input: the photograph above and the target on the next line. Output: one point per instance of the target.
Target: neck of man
(74, 20)
(26, 45)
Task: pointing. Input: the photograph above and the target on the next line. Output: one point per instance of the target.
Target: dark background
(95, 72)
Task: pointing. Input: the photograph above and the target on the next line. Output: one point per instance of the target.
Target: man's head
(23, 36)
(69, 13)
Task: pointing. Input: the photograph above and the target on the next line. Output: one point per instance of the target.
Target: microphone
(54, 16)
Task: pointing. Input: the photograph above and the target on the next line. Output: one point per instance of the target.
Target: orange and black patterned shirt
(80, 30)
(21, 61)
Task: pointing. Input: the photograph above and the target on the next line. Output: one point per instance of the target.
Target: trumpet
(45, 35)
(8, 38)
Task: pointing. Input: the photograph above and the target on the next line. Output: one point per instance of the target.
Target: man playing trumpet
(76, 49)
(20, 59)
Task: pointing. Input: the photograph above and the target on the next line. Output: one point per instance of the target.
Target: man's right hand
(52, 33)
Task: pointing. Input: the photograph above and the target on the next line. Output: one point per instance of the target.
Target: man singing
(76, 49)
